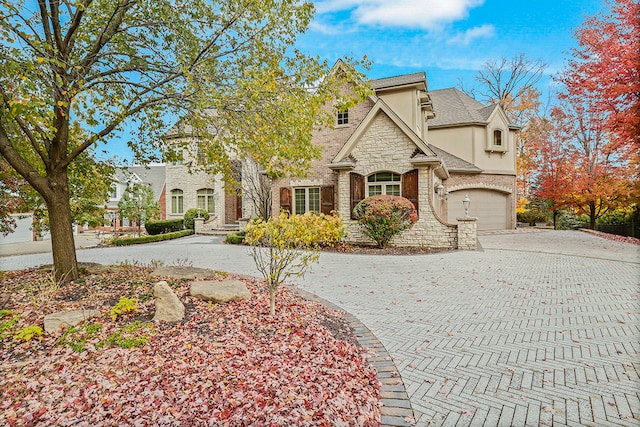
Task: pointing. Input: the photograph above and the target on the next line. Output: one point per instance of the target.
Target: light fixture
(466, 202)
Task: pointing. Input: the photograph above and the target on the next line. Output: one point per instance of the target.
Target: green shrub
(191, 214)
(149, 239)
(532, 217)
(77, 339)
(162, 227)
(130, 336)
(235, 238)
(124, 306)
(382, 217)
(29, 333)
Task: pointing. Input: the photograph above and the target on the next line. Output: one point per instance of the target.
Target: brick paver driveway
(539, 328)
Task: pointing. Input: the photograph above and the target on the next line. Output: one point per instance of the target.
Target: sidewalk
(88, 239)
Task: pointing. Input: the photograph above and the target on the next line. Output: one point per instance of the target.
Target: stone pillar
(242, 223)
(467, 233)
(198, 225)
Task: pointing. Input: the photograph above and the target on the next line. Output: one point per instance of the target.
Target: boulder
(168, 305)
(67, 319)
(182, 272)
(220, 291)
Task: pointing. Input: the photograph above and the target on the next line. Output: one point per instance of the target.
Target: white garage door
(490, 207)
(23, 231)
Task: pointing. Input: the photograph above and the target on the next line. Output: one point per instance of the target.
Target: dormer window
(497, 138)
(343, 117)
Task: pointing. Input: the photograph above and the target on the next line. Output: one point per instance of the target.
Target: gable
(392, 131)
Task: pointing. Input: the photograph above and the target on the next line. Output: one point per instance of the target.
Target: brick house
(430, 147)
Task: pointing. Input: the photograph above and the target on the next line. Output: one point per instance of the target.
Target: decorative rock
(220, 291)
(182, 272)
(66, 319)
(168, 305)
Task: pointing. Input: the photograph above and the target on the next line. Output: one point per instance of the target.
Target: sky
(447, 39)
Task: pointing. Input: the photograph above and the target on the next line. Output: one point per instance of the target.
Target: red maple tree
(606, 66)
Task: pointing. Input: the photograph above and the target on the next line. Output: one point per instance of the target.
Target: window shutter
(326, 199)
(357, 190)
(410, 187)
(285, 199)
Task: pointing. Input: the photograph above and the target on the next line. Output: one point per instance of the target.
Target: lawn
(223, 365)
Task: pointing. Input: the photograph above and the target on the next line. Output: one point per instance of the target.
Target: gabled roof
(454, 107)
(153, 175)
(380, 106)
(454, 163)
(403, 80)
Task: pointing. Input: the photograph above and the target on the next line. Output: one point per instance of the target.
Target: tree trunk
(272, 302)
(592, 215)
(61, 225)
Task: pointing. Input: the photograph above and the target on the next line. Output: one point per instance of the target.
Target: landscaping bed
(224, 364)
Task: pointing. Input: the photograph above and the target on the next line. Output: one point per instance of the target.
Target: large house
(432, 147)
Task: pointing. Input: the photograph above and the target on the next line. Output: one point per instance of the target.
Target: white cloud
(465, 38)
(423, 14)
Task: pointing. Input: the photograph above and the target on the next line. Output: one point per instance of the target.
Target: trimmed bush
(191, 214)
(235, 238)
(382, 217)
(149, 239)
(162, 227)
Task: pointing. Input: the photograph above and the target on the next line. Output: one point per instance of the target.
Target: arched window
(497, 138)
(383, 183)
(205, 200)
(177, 201)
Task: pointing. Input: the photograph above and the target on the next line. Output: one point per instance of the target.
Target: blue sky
(448, 39)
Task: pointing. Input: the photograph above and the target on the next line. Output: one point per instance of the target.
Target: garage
(492, 208)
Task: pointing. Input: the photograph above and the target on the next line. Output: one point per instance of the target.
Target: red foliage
(606, 67)
(224, 365)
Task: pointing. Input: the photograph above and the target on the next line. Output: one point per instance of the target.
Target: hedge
(149, 239)
(235, 238)
(165, 226)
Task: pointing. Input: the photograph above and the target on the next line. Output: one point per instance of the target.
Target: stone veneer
(384, 147)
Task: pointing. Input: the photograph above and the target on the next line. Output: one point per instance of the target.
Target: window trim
(208, 196)
(177, 201)
(342, 117)
(384, 184)
(307, 200)
(491, 140)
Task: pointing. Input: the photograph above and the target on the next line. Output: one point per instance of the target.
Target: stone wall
(384, 147)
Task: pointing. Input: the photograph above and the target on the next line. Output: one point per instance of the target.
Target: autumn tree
(553, 164)
(600, 109)
(138, 204)
(606, 66)
(104, 65)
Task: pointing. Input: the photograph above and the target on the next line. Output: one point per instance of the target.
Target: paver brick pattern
(503, 338)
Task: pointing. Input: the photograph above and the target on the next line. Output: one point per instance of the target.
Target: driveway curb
(396, 407)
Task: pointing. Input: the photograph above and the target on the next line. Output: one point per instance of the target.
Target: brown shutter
(410, 187)
(326, 199)
(357, 190)
(285, 199)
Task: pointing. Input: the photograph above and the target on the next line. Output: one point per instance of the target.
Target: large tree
(104, 64)
(606, 66)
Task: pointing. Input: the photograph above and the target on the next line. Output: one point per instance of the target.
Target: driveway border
(396, 410)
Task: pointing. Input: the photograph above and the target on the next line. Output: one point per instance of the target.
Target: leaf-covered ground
(224, 365)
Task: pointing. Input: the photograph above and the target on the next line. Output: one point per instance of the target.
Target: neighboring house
(188, 187)
(154, 175)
